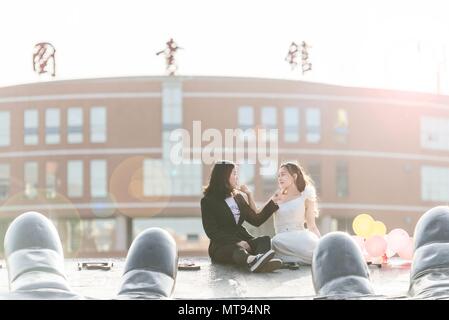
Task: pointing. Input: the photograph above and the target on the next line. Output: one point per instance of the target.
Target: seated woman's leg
(236, 255)
(297, 246)
(151, 266)
(230, 254)
(429, 275)
(35, 259)
(338, 267)
(260, 244)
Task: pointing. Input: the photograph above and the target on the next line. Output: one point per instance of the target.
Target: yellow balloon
(362, 225)
(378, 229)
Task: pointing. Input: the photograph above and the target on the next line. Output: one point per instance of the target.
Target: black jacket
(219, 223)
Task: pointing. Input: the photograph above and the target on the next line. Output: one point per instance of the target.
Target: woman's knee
(275, 242)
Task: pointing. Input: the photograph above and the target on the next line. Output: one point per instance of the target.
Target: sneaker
(270, 266)
(260, 260)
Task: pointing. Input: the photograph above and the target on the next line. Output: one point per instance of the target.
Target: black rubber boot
(151, 266)
(429, 275)
(35, 260)
(338, 268)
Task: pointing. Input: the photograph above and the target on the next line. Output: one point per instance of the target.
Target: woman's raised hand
(244, 188)
(277, 196)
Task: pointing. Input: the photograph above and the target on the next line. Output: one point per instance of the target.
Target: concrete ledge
(227, 282)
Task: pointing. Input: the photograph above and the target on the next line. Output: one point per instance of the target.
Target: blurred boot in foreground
(339, 269)
(151, 266)
(429, 275)
(35, 260)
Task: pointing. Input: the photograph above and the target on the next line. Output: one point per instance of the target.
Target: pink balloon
(406, 252)
(389, 252)
(376, 246)
(397, 239)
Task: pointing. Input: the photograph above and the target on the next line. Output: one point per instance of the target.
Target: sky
(392, 44)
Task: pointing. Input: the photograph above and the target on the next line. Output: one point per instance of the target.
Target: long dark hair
(219, 186)
(303, 178)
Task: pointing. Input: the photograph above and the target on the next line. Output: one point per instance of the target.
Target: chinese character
(43, 53)
(306, 65)
(169, 52)
(292, 55)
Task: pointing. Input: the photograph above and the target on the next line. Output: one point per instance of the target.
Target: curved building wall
(93, 154)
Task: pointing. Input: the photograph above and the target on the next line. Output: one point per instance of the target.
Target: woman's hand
(245, 189)
(244, 245)
(278, 196)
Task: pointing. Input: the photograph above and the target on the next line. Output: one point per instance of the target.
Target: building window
(435, 133)
(4, 180)
(155, 178)
(246, 175)
(434, 183)
(51, 179)
(31, 179)
(163, 178)
(314, 171)
(52, 126)
(268, 174)
(192, 237)
(246, 123)
(98, 235)
(75, 178)
(291, 124)
(171, 105)
(269, 123)
(75, 125)
(98, 179)
(178, 227)
(31, 127)
(98, 124)
(334, 225)
(342, 179)
(342, 126)
(5, 127)
(246, 117)
(313, 125)
(186, 179)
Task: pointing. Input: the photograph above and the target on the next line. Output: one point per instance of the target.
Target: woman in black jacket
(223, 211)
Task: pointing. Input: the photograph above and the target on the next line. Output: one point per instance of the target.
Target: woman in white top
(297, 206)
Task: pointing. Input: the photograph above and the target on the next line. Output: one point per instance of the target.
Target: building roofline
(156, 78)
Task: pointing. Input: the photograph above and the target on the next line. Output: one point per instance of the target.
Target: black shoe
(290, 265)
(270, 266)
(260, 260)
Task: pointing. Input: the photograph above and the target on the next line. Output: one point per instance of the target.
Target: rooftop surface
(226, 282)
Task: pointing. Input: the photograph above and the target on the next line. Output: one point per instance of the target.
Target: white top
(234, 208)
(291, 214)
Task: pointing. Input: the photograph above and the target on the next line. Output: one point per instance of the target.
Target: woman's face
(234, 178)
(285, 179)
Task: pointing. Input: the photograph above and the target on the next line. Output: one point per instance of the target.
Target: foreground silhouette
(340, 271)
(35, 262)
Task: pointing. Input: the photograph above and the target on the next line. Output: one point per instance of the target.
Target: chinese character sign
(169, 52)
(44, 58)
(292, 55)
(306, 65)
